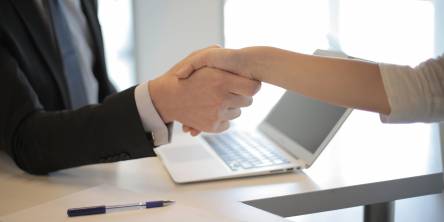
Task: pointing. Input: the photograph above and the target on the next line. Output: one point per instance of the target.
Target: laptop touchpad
(186, 154)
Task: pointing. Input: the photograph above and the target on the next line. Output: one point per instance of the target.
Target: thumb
(185, 71)
(193, 62)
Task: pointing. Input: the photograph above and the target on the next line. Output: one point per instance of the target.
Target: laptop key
(246, 165)
(241, 151)
(235, 166)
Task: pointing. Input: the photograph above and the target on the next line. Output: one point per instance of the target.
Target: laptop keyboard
(240, 150)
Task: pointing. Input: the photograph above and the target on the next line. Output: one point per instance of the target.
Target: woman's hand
(343, 82)
(230, 60)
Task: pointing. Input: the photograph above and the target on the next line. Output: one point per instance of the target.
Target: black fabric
(38, 129)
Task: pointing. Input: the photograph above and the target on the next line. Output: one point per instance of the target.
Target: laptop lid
(303, 126)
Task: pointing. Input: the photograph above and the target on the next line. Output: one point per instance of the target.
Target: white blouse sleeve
(414, 94)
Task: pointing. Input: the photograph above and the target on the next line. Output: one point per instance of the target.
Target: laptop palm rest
(191, 153)
(191, 162)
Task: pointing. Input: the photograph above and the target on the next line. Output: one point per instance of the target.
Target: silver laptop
(291, 137)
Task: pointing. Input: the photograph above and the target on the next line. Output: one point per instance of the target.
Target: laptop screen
(306, 121)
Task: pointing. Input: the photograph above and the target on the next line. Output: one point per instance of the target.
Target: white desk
(352, 171)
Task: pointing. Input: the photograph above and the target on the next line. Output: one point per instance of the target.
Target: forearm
(109, 132)
(342, 82)
(43, 140)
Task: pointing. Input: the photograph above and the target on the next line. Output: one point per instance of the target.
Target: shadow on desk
(81, 176)
(141, 174)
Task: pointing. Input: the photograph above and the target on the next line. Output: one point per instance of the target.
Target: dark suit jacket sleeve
(40, 141)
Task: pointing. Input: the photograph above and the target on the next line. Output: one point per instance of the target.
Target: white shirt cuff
(151, 120)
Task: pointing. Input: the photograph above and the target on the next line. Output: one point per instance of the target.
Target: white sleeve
(151, 120)
(414, 94)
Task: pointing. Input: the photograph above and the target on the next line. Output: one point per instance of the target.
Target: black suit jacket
(37, 127)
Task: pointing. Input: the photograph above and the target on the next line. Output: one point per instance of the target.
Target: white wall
(439, 49)
(168, 30)
(118, 41)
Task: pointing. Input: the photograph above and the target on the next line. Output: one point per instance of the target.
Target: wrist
(160, 99)
(252, 61)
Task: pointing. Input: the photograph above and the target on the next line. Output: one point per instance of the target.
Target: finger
(242, 86)
(238, 101)
(188, 65)
(231, 113)
(192, 131)
(224, 125)
(195, 132)
(185, 129)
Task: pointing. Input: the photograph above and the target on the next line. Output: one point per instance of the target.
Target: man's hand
(230, 60)
(206, 101)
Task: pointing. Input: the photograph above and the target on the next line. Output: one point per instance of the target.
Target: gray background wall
(168, 30)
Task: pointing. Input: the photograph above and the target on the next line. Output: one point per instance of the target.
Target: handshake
(204, 91)
(207, 89)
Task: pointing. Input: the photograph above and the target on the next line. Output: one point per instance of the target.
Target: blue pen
(84, 211)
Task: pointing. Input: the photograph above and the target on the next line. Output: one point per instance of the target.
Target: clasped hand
(200, 95)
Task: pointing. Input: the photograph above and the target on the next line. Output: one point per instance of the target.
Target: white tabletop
(367, 162)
